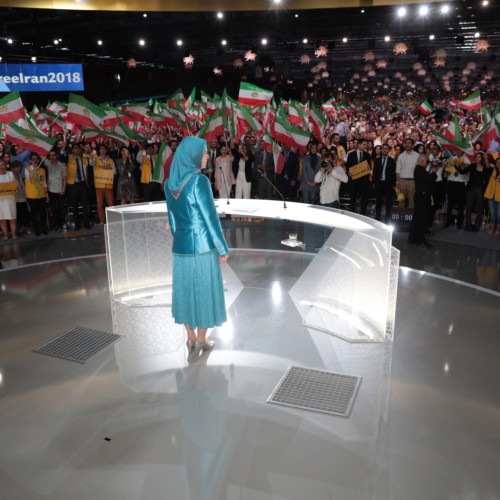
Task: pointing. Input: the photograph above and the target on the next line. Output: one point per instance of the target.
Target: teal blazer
(194, 220)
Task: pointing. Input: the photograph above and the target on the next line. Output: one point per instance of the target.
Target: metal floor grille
(78, 344)
(317, 390)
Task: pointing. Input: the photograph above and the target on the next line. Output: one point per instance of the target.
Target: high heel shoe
(190, 345)
(203, 346)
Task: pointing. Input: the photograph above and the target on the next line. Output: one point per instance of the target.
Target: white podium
(348, 289)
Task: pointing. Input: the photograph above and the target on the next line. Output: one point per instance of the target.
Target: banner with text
(40, 77)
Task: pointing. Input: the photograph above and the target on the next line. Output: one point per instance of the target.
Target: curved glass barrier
(346, 284)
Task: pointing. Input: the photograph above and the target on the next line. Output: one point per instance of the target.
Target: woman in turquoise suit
(199, 245)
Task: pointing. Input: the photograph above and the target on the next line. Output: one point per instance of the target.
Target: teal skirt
(198, 290)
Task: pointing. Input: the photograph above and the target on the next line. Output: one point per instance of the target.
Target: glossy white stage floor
(425, 425)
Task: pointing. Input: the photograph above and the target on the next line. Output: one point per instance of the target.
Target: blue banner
(40, 77)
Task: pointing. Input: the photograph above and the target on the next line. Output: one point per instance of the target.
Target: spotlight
(264, 41)
(144, 15)
(362, 11)
(296, 15)
(33, 59)
(277, 2)
(387, 38)
(220, 15)
(99, 42)
(424, 10)
(305, 40)
(401, 12)
(179, 42)
(344, 40)
(224, 42)
(60, 39)
(431, 37)
(476, 34)
(485, 3)
(445, 9)
(9, 40)
(142, 42)
(56, 42)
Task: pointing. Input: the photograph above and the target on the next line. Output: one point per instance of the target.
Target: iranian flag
(84, 113)
(288, 134)
(318, 122)
(426, 108)
(330, 104)
(213, 128)
(132, 136)
(453, 131)
(296, 115)
(162, 164)
(29, 139)
(11, 108)
(450, 145)
(251, 95)
(472, 102)
(92, 134)
(245, 119)
(138, 110)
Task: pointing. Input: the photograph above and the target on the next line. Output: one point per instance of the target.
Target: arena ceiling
(366, 59)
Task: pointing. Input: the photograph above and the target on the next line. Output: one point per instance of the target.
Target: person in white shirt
(56, 180)
(405, 166)
(330, 177)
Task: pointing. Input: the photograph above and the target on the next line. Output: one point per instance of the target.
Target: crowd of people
(364, 163)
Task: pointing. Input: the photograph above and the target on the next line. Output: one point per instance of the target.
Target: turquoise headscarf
(186, 163)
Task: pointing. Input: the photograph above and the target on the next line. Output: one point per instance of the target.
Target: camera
(326, 164)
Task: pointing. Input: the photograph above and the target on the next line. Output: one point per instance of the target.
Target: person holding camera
(424, 183)
(330, 177)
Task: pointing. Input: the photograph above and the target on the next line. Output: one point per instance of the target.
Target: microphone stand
(225, 184)
(269, 181)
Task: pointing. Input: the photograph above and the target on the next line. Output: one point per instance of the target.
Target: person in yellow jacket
(104, 174)
(151, 190)
(35, 182)
(492, 194)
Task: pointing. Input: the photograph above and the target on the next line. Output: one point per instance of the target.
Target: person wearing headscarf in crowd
(199, 246)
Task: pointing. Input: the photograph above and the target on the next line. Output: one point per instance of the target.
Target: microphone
(225, 184)
(269, 181)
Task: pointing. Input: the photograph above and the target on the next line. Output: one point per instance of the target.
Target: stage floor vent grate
(316, 390)
(78, 344)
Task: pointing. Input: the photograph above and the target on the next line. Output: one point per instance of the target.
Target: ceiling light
(296, 15)
(142, 42)
(476, 34)
(305, 40)
(485, 3)
(445, 9)
(179, 42)
(144, 15)
(60, 39)
(9, 40)
(56, 42)
(33, 59)
(344, 40)
(424, 10)
(431, 37)
(277, 1)
(99, 42)
(401, 12)
(220, 15)
(264, 41)
(362, 11)
(387, 38)
(224, 42)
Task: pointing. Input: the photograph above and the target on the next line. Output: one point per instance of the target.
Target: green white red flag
(453, 131)
(318, 122)
(288, 134)
(92, 134)
(11, 108)
(251, 95)
(83, 112)
(426, 108)
(213, 128)
(132, 136)
(162, 165)
(471, 102)
(30, 140)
